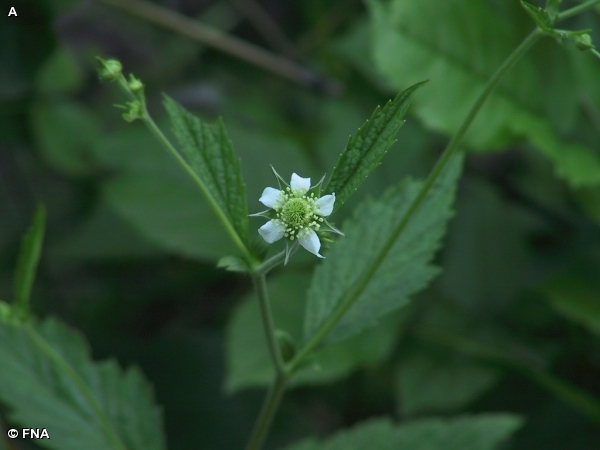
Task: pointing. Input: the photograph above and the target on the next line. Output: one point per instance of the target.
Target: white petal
(270, 197)
(271, 231)
(300, 183)
(325, 204)
(310, 242)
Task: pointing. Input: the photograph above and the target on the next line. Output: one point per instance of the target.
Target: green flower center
(298, 214)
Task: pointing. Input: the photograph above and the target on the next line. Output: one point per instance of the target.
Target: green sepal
(109, 69)
(29, 258)
(584, 42)
(545, 20)
(541, 16)
(233, 264)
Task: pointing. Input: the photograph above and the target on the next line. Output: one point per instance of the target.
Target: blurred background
(511, 324)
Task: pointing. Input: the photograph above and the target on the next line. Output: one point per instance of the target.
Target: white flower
(296, 213)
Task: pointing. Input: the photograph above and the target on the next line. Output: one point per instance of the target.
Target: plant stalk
(186, 167)
(267, 413)
(449, 151)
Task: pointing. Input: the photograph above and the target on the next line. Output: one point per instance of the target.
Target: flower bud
(109, 70)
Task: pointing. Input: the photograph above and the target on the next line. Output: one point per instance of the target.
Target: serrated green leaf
(248, 361)
(482, 432)
(365, 150)
(406, 269)
(210, 154)
(153, 194)
(458, 64)
(29, 258)
(576, 298)
(49, 381)
(427, 383)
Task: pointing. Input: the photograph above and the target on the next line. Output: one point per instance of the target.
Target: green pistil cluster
(298, 213)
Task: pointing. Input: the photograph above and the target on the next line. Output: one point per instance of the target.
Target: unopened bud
(110, 69)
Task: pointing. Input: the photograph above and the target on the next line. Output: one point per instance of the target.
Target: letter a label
(12, 12)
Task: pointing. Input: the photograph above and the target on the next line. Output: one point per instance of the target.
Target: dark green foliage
(210, 153)
(368, 146)
(406, 269)
(49, 381)
(467, 433)
(29, 257)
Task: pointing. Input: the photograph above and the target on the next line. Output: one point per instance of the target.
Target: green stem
(267, 413)
(577, 9)
(450, 150)
(213, 204)
(79, 383)
(260, 284)
(270, 263)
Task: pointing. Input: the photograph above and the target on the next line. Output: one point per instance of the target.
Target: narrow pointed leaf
(48, 380)
(482, 432)
(29, 257)
(406, 269)
(209, 152)
(365, 150)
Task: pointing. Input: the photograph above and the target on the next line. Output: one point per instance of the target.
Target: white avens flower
(296, 213)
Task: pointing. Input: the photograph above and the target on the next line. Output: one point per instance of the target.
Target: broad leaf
(365, 150)
(29, 257)
(468, 43)
(426, 383)
(209, 152)
(65, 133)
(248, 362)
(483, 432)
(49, 381)
(406, 269)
